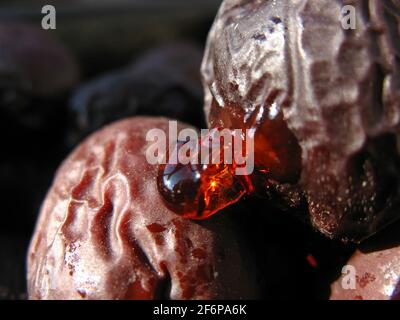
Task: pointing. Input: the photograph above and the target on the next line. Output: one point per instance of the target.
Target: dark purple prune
(162, 82)
(36, 72)
(34, 67)
(324, 100)
(105, 233)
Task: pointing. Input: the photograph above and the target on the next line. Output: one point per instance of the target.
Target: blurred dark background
(106, 60)
(57, 86)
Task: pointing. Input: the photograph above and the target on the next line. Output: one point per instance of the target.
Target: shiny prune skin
(377, 269)
(164, 81)
(104, 231)
(336, 91)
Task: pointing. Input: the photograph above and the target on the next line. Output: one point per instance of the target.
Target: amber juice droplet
(197, 191)
(276, 149)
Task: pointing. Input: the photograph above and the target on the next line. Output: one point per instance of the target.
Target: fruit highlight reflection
(197, 191)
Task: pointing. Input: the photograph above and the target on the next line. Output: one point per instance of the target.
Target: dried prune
(36, 73)
(324, 100)
(373, 272)
(162, 82)
(105, 233)
(12, 255)
(33, 67)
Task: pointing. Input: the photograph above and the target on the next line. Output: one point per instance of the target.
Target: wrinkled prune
(324, 99)
(105, 233)
(33, 67)
(163, 82)
(373, 272)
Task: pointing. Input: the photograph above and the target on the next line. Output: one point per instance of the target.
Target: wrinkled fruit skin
(105, 233)
(336, 90)
(377, 267)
